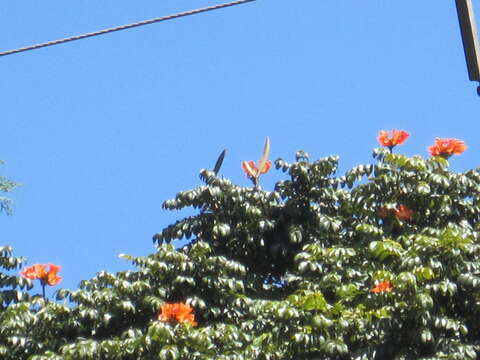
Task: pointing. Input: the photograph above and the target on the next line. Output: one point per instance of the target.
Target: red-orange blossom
(251, 170)
(179, 312)
(447, 147)
(40, 272)
(392, 138)
(403, 213)
(383, 286)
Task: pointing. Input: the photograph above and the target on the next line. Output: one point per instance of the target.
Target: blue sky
(101, 131)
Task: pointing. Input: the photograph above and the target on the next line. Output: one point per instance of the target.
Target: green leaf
(311, 301)
(423, 188)
(386, 248)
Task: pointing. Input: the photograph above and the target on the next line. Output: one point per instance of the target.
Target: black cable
(123, 27)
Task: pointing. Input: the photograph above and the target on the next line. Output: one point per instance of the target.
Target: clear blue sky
(101, 131)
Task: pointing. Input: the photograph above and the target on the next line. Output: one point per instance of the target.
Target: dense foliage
(6, 186)
(380, 263)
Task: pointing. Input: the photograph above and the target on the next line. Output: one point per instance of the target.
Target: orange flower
(40, 272)
(383, 286)
(179, 312)
(447, 147)
(392, 138)
(166, 312)
(251, 170)
(403, 213)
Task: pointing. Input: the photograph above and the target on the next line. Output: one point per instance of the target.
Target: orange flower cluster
(392, 138)
(40, 272)
(401, 213)
(442, 147)
(383, 286)
(447, 147)
(179, 312)
(252, 171)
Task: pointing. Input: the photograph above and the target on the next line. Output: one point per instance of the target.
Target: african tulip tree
(378, 263)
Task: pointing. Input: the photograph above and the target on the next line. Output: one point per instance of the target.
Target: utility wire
(124, 27)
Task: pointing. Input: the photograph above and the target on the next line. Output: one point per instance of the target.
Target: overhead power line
(124, 27)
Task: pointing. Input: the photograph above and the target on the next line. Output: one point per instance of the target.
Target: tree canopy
(378, 263)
